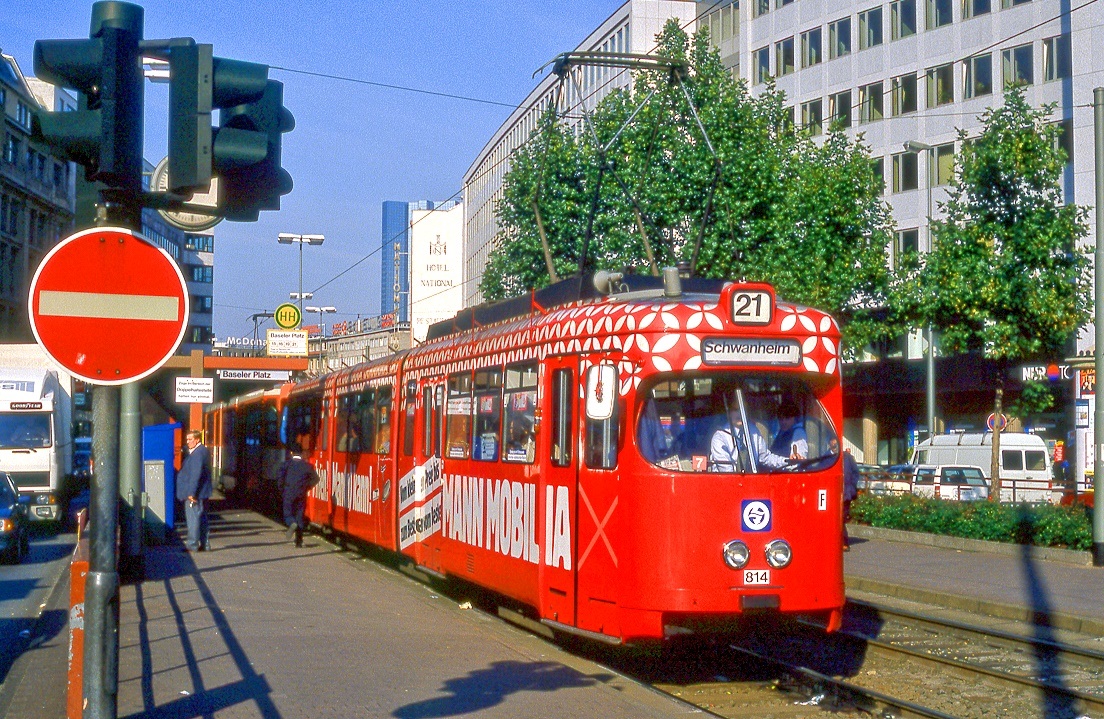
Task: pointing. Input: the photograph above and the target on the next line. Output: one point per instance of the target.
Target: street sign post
(108, 306)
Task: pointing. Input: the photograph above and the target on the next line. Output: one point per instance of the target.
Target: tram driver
(728, 450)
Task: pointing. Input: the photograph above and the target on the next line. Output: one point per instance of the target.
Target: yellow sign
(287, 316)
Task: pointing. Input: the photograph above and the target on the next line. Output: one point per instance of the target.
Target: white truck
(36, 427)
(1025, 464)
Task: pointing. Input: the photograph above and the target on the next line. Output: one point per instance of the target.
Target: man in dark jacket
(193, 488)
(297, 476)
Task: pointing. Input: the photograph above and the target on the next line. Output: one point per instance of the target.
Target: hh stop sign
(108, 306)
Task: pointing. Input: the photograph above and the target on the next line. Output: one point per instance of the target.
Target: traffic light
(105, 134)
(247, 153)
(243, 152)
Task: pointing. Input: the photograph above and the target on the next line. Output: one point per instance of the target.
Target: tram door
(559, 445)
(427, 454)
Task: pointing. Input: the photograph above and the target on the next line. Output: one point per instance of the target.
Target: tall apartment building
(37, 193)
(631, 28)
(907, 75)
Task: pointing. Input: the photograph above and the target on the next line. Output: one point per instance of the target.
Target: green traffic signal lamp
(105, 134)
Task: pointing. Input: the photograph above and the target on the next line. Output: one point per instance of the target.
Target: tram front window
(737, 423)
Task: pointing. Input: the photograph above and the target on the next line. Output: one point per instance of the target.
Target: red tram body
(567, 459)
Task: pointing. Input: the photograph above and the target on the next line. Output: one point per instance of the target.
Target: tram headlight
(779, 553)
(736, 554)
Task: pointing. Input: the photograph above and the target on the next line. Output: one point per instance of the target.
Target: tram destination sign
(750, 351)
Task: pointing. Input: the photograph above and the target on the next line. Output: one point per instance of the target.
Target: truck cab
(34, 437)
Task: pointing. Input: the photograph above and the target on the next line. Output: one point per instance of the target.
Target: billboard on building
(436, 267)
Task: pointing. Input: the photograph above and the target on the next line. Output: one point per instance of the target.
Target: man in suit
(193, 488)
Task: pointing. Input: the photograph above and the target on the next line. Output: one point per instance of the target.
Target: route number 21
(751, 308)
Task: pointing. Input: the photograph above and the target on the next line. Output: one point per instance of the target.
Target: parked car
(947, 481)
(14, 540)
(876, 479)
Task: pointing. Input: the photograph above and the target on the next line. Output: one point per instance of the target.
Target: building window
(812, 116)
(877, 169)
(760, 7)
(1064, 141)
(870, 102)
(784, 56)
(839, 38)
(199, 335)
(939, 13)
(23, 114)
(973, 8)
(202, 273)
(904, 94)
(1013, 3)
(202, 303)
(940, 85)
(782, 3)
(811, 52)
(839, 108)
(199, 243)
(1017, 66)
(1057, 58)
(762, 65)
(978, 76)
(788, 119)
(724, 23)
(908, 243)
(902, 19)
(11, 149)
(905, 172)
(942, 171)
(870, 28)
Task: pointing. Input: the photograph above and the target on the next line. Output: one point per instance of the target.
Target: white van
(1025, 465)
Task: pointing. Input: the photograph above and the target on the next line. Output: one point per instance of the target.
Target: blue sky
(353, 146)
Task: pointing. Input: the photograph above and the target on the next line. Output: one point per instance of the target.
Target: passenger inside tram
(708, 424)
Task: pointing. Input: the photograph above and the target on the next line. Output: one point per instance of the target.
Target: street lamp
(286, 238)
(917, 146)
(322, 311)
(302, 295)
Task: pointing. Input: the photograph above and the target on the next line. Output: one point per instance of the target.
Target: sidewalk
(1015, 584)
(258, 628)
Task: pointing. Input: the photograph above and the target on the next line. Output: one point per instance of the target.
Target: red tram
(622, 465)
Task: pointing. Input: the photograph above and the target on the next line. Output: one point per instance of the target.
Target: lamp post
(286, 238)
(322, 312)
(916, 146)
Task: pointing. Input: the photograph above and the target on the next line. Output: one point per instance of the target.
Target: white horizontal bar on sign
(54, 303)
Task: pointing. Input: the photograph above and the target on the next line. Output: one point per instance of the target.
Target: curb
(973, 605)
(1051, 554)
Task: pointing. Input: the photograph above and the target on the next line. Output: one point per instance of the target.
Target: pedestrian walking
(297, 476)
(193, 488)
(850, 486)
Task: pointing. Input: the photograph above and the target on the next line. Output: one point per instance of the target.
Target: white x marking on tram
(600, 528)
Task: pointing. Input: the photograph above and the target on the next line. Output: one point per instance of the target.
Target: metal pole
(300, 276)
(930, 388)
(131, 559)
(1098, 443)
(101, 616)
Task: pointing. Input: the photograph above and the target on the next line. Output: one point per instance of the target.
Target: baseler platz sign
(255, 375)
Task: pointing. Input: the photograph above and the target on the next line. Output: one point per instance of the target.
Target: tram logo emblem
(755, 515)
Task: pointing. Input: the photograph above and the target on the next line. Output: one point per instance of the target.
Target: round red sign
(108, 305)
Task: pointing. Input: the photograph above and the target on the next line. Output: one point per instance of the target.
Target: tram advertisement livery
(624, 467)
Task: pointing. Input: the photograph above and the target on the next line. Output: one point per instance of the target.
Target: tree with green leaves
(747, 199)
(1005, 278)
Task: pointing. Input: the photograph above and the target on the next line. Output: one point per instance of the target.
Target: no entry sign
(108, 305)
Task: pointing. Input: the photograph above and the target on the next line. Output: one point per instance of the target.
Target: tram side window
(488, 414)
(602, 435)
(301, 425)
(430, 427)
(366, 410)
(348, 424)
(459, 410)
(410, 418)
(383, 415)
(324, 432)
(521, 408)
(563, 392)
